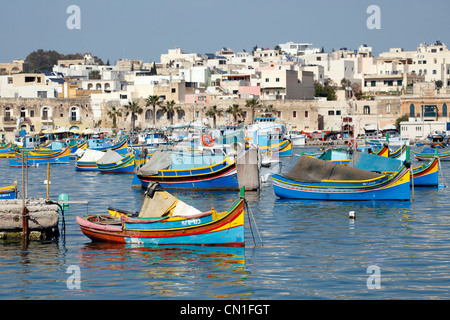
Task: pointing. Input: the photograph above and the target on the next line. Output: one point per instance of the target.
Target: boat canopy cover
(110, 156)
(372, 162)
(160, 160)
(90, 155)
(309, 169)
(160, 203)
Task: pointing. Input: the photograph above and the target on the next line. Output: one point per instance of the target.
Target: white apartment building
(28, 85)
(431, 61)
(298, 48)
(178, 54)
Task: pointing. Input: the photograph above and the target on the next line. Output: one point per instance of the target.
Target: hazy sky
(144, 29)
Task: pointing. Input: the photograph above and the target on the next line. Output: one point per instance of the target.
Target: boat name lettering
(190, 222)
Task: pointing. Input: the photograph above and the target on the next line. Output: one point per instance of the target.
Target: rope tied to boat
(254, 221)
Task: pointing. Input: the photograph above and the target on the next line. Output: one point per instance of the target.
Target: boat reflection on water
(164, 271)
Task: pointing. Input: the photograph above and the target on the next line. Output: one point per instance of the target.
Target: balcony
(74, 119)
(46, 120)
(9, 120)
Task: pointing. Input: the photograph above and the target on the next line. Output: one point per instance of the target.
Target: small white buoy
(351, 215)
(45, 182)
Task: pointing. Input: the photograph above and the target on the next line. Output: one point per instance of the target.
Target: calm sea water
(310, 249)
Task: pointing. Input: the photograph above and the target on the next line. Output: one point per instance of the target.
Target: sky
(145, 29)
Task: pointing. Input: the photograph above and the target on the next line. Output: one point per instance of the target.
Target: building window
(294, 114)
(306, 114)
(373, 83)
(267, 79)
(366, 110)
(388, 108)
(338, 112)
(174, 90)
(412, 111)
(330, 112)
(277, 79)
(444, 110)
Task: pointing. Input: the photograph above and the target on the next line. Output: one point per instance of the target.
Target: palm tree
(113, 113)
(269, 110)
(153, 101)
(236, 111)
(253, 104)
(170, 110)
(134, 108)
(214, 113)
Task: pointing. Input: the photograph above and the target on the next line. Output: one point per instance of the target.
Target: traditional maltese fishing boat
(113, 162)
(185, 171)
(7, 151)
(166, 220)
(317, 179)
(8, 192)
(60, 157)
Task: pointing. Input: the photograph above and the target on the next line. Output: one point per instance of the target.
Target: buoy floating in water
(351, 215)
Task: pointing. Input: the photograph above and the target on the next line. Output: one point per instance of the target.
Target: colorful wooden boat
(113, 162)
(88, 161)
(189, 174)
(61, 157)
(283, 148)
(7, 151)
(424, 175)
(100, 145)
(428, 154)
(169, 226)
(321, 180)
(9, 192)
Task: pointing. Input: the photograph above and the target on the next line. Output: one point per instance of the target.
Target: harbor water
(296, 250)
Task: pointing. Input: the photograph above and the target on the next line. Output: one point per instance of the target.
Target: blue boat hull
(394, 188)
(232, 235)
(59, 160)
(224, 182)
(8, 195)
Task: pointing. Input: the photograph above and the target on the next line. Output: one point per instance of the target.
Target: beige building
(28, 85)
(15, 67)
(36, 114)
(286, 84)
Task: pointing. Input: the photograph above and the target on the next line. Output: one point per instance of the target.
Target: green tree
(404, 117)
(213, 112)
(153, 101)
(269, 110)
(95, 75)
(41, 60)
(236, 111)
(170, 109)
(133, 108)
(253, 104)
(325, 91)
(153, 69)
(113, 113)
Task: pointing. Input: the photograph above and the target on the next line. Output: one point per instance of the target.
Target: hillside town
(307, 89)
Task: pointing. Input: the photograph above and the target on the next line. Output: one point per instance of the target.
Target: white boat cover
(91, 155)
(110, 156)
(160, 160)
